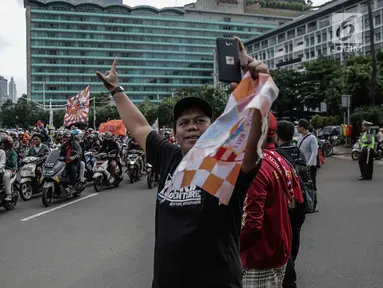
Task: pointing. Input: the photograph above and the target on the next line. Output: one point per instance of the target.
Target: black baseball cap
(191, 102)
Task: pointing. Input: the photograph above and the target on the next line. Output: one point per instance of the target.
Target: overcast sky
(13, 36)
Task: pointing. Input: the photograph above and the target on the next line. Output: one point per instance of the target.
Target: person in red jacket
(265, 240)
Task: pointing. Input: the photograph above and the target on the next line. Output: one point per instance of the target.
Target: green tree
(149, 110)
(289, 84)
(7, 114)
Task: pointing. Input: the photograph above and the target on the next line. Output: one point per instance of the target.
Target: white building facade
(311, 36)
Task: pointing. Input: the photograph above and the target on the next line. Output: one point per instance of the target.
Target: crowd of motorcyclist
(73, 144)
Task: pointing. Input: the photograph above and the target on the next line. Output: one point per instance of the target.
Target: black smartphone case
(229, 68)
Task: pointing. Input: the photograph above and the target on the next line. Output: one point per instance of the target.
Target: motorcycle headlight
(48, 172)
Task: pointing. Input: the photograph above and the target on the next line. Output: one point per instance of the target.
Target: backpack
(295, 158)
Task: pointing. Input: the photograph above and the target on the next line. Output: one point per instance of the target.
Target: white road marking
(58, 207)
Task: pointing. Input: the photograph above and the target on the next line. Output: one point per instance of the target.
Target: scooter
(152, 178)
(29, 183)
(8, 205)
(90, 161)
(55, 181)
(102, 177)
(355, 151)
(133, 166)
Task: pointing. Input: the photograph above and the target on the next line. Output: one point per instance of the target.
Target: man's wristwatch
(117, 89)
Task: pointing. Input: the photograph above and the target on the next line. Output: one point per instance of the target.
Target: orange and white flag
(214, 162)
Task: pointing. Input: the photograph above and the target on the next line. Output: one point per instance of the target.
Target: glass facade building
(159, 50)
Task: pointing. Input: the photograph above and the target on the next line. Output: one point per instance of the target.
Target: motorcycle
(133, 168)
(8, 205)
(90, 160)
(102, 177)
(357, 148)
(29, 183)
(152, 178)
(55, 181)
(355, 151)
(379, 152)
(326, 147)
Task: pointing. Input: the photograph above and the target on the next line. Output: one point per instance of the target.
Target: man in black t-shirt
(196, 238)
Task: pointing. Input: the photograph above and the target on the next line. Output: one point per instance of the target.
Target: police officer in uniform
(366, 155)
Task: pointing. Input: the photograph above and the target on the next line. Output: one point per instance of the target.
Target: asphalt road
(106, 240)
(342, 244)
(103, 241)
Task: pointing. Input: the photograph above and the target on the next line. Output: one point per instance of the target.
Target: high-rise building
(318, 34)
(159, 50)
(3, 90)
(12, 90)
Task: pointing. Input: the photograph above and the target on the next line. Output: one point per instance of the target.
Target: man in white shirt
(308, 144)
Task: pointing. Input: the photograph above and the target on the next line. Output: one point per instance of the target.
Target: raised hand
(249, 64)
(110, 78)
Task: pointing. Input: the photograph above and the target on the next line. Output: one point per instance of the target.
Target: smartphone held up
(229, 67)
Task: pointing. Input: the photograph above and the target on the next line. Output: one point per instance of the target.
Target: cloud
(4, 43)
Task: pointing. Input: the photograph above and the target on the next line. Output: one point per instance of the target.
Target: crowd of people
(73, 144)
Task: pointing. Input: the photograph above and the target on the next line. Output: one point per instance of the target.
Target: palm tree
(373, 54)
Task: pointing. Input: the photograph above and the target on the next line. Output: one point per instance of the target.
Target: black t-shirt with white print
(196, 239)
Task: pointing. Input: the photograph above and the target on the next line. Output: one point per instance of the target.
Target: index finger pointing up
(114, 65)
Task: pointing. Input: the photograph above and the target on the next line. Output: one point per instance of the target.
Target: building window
(312, 42)
(281, 37)
(377, 36)
(302, 30)
(318, 38)
(312, 54)
(291, 34)
(377, 20)
(307, 42)
(368, 39)
(307, 55)
(324, 37)
(319, 52)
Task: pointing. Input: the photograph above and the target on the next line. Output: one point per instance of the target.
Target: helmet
(67, 134)
(108, 136)
(38, 135)
(12, 134)
(7, 141)
(90, 130)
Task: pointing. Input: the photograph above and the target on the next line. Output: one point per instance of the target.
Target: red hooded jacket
(266, 229)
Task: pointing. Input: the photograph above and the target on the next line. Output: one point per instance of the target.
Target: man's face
(300, 129)
(365, 128)
(66, 139)
(189, 127)
(36, 141)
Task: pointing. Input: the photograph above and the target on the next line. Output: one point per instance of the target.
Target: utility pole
(215, 71)
(44, 94)
(94, 113)
(50, 114)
